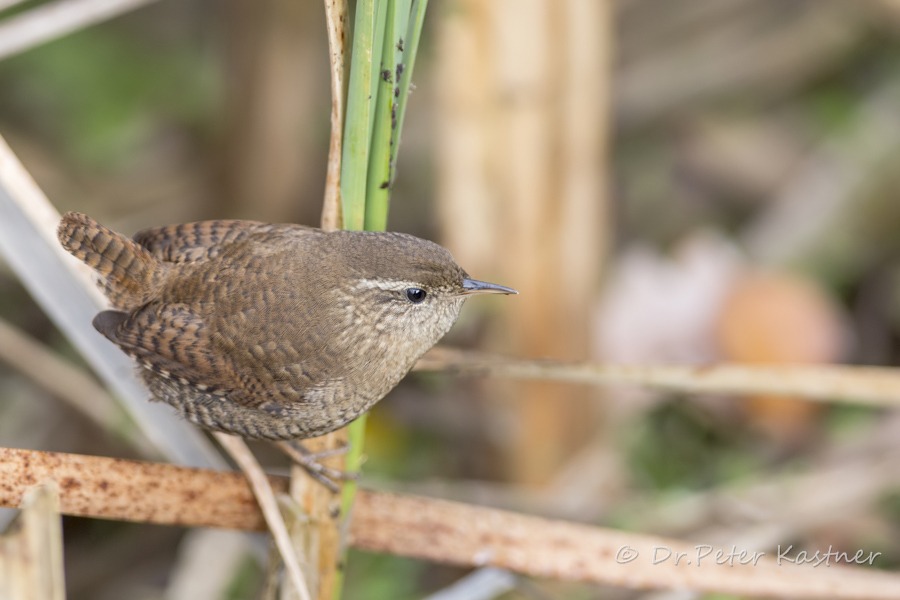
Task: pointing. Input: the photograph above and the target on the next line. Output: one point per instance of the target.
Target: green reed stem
(385, 40)
(378, 177)
(410, 45)
(360, 100)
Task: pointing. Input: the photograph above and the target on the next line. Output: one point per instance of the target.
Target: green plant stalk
(356, 436)
(359, 124)
(360, 100)
(410, 50)
(386, 35)
(379, 173)
(377, 49)
(381, 153)
(401, 22)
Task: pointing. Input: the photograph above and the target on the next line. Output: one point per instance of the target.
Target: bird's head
(404, 284)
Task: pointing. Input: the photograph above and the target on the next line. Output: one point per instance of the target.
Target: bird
(271, 331)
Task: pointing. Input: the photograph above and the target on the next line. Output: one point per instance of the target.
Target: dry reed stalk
(31, 551)
(318, 533)
(876, 386)
(336, 15)
(524, 108)
(265, 496)
(423, 528)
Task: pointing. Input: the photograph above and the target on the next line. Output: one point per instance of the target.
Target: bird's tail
(128, 274)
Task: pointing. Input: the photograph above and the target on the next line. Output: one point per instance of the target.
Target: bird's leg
(322, 453)
(310, 462)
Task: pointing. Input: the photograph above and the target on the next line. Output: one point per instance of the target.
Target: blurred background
(681, 181)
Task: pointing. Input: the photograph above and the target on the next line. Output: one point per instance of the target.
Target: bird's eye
(415, 295)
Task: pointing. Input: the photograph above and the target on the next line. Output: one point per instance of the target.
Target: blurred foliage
(381, 577)
(100, 95)
(680, 445)
(246, 581)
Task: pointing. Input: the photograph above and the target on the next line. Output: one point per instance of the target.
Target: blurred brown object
(736, 157)
(780, 318)
(277, 100)
(523, 129)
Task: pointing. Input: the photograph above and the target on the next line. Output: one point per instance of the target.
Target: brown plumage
(271, 331)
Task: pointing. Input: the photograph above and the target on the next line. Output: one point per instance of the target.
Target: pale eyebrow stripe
(386, 285)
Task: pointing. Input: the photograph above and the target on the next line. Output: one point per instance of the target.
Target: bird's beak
(472, 286)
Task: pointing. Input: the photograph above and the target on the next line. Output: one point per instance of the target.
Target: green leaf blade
(379, 173)
(355, 154)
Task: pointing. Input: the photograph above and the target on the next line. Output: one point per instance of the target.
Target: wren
(275, 332)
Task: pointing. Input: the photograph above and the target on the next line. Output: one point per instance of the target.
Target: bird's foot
(310, 462)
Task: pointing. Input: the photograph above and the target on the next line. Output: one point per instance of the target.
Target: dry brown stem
(336, 21)
(422, 528)
(31, 552)
(262, 489)
(322, 534)
(877, 386)
(522, 101)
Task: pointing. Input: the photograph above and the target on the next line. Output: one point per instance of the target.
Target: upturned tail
(128, 274)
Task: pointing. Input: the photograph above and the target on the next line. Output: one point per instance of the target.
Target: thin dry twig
(54, 20)
(424, 528)
(262, 489)
(876, 386)
(336, 21)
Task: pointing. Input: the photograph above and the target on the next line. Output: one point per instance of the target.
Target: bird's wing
(204, 239)
(169, 339)
(173, 341)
